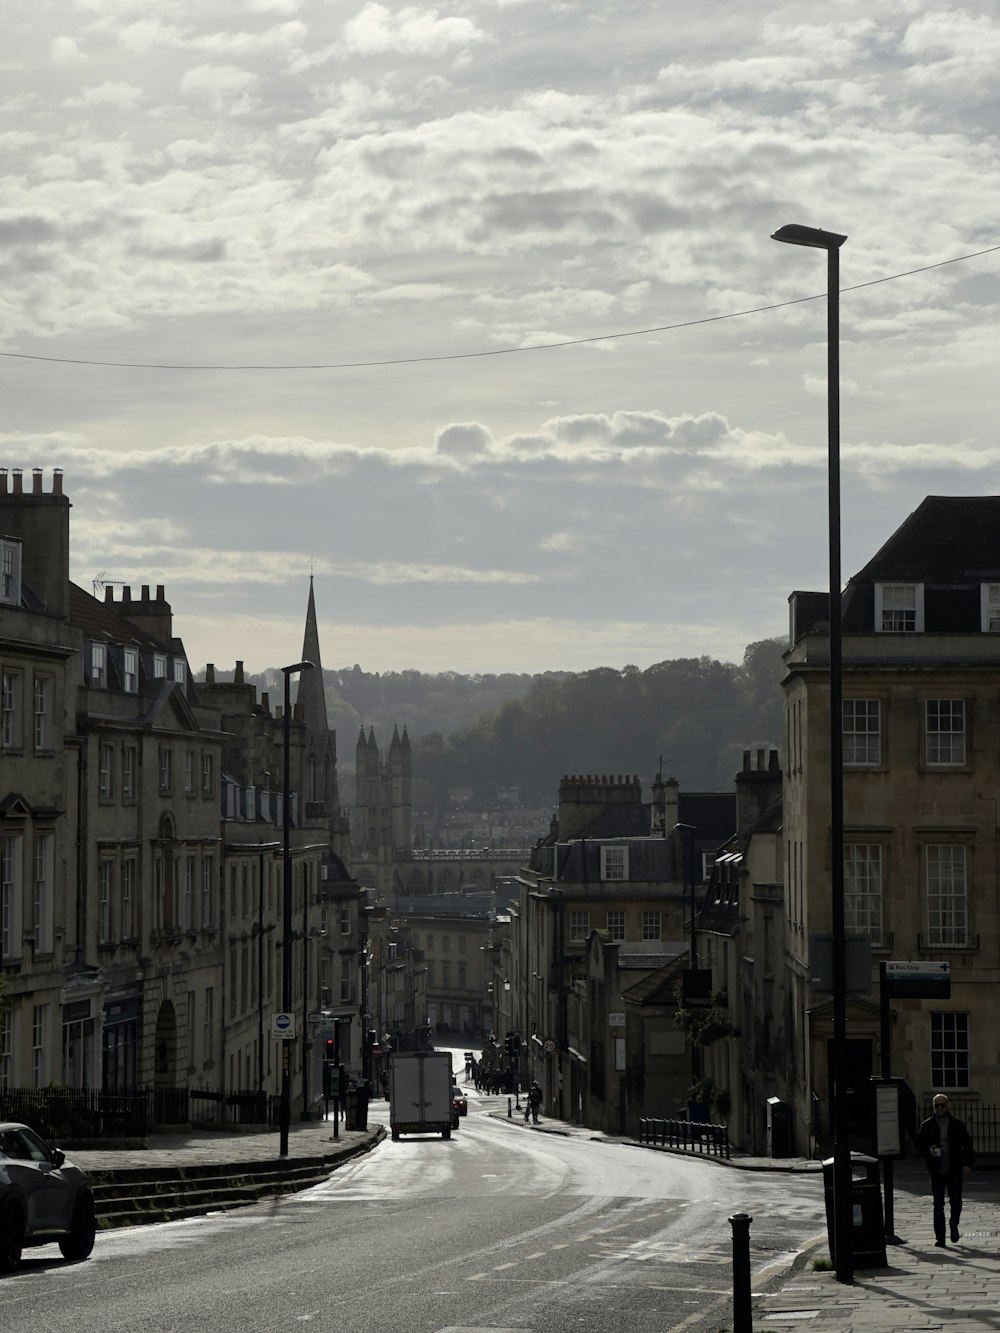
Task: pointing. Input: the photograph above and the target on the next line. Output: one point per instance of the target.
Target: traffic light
(328, 1050)
(508, 1046)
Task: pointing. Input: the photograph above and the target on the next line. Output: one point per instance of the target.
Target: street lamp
(831, 242)
(691, 830)
(286, 905)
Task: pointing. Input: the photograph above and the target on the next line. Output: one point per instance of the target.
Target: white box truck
(420, 1093)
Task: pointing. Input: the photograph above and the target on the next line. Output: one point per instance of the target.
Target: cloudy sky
(460, 307)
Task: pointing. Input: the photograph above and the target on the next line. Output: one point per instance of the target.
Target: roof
(104, 621)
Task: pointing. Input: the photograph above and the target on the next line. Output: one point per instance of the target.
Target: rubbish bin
(351, 1109)
(868, 1224)
(779, 1128)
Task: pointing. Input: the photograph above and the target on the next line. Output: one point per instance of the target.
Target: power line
(496, 351)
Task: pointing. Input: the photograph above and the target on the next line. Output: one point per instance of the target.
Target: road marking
(497, 1268)
(539, 1254)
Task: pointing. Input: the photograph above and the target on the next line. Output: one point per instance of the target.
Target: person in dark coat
(946, 1146)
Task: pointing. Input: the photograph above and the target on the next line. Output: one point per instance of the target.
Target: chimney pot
(36, 481)
(57, 477)
(145, 592)
(109, 593)
(238, 674)
(17, 481)
(3, 481)
(126, 593)
(210, 673)
(160, 596)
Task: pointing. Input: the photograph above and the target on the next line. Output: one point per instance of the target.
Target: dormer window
(180, 671)
(99, 666)
(131, 671)
(899, 608)
(614, 863)
(10, 571)
(990, 602)
(159, 666)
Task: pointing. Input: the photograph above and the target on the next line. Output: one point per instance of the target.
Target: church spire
(311, 693)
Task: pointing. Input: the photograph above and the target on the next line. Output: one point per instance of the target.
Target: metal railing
(62, 1114)
(687, 1135)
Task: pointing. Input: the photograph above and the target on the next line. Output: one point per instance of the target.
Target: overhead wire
(489, 352)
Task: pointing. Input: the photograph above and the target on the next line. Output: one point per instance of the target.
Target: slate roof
(950, 544)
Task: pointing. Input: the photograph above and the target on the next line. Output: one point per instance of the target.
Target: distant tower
(382, 823)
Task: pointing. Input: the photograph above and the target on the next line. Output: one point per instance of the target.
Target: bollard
(742, 1313)
(508, 1109)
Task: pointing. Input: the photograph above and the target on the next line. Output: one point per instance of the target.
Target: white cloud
(410, 31)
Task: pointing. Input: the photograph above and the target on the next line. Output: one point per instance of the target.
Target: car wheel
(446, 1133)
(80, 1241)
(11, 1237)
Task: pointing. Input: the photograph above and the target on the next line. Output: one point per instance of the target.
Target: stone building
(921, 717)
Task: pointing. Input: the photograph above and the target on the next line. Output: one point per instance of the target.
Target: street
(502, 1228)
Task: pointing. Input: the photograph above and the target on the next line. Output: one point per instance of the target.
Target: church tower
(321, 791)
(381, 830)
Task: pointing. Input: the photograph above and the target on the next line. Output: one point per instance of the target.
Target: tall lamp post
(286, 904)
(830, 241)
(691, 830)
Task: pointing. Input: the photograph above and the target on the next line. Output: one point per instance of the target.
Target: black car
(43, 1198)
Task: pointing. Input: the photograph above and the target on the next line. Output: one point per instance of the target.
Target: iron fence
(689, 1135)
(66, 1115)
(981, 1120)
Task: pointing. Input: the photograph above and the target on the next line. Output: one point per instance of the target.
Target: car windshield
(21, 1145)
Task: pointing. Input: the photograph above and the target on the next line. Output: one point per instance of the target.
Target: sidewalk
(307, 1139)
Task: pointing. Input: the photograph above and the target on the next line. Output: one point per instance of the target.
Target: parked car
(459, 1101)
(43, 1198)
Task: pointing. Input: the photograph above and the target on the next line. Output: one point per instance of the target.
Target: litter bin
(351, 1109)
(779, 1128)
(868, 1228)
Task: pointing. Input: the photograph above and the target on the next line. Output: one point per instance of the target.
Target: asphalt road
(503, 1228)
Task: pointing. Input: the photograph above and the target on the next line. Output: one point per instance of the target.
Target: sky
(470, 310)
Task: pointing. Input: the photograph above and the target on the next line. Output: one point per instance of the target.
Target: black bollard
(508, 1109)
(742, 1312)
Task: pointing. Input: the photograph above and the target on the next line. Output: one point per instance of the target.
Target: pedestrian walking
(534, 1101)
(946, 1147)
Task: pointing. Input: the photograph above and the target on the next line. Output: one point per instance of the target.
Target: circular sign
(549, 1046)
(282, 1021)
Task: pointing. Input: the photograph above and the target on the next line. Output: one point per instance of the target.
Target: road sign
(548, 1045)
(930, 980)
(616, 1020)
(282, 1027)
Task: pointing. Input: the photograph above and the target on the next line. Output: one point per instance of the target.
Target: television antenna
(99, 583)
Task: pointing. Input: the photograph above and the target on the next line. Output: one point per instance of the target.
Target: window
(346, 990)
(652, 925)
(105, 765)
(10, 571)
(206, 1027)
(43, 713)
(10, 707)
(159, 666)
(189, 772)
(947, 895)
(99, 666)
(446, 976)
(38, 1078)
(128, 773)
(899, 608)
(345, 921)
(949, 1050)
(131, 671)
(180, 670)
(616, 925)
(461, 976)
(166, 769)
(190, 881)
(446, 944)
(104, 886)
(945, 731)
(862, 732)
(42, 902)
(990, 602)
(207, 773)
(614, 863)
(863, 889)
(11, 864)
(128, 899)
(207, 880)
(6, 1048)
(579, 927)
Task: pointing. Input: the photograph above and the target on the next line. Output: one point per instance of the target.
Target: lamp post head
(297, 667)
(793, 233)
